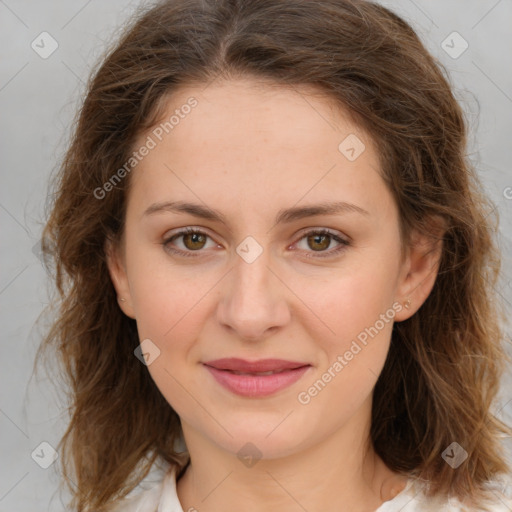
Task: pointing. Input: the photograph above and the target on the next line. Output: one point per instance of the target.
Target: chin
(265, 439)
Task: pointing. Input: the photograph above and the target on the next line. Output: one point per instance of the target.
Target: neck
(341, 473)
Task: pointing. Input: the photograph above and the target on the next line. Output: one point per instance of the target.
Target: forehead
(241, 109)
(255, 142)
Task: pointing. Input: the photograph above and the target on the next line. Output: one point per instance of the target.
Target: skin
(248, 150)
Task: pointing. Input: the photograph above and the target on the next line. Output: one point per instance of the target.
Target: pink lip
(256, 385)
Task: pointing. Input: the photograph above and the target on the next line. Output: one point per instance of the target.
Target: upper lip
(261, 365)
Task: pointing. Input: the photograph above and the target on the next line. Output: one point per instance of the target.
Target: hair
(442, 373)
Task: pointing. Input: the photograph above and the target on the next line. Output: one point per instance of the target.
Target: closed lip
(261, 365)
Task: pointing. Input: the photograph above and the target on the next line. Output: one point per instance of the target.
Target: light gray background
(38, 98)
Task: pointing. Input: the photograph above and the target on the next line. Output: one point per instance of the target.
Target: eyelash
(320, 254)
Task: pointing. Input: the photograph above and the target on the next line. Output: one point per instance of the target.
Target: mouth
(256, 378)
(235, 364)
(270, 372)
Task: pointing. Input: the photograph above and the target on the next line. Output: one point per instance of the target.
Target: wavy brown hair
(442, 373)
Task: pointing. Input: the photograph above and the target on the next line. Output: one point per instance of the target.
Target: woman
(271, 248)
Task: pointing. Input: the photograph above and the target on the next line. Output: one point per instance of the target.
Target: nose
(253, 302)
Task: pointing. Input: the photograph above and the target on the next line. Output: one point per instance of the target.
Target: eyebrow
(287, 215)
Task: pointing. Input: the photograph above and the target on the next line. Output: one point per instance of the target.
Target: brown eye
(188, 242)
(194, 241)
(319, 242)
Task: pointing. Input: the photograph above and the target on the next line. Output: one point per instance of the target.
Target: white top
(162, 497)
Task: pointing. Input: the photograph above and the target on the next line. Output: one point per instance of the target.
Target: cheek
(165, 297)
(359, 311)
(170, 311)
(351, 302)
(357, 308)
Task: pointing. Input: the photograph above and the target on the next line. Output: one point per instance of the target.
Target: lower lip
(257, 385)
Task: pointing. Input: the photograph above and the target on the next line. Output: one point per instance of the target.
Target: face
(265, 274)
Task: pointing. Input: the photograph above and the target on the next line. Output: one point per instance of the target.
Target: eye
(320, 240)
(194, 240)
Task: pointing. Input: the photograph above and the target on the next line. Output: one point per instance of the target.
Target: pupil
(195, 238)
(317, 240)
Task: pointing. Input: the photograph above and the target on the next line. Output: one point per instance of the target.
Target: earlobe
(118, 275)
(419, 272)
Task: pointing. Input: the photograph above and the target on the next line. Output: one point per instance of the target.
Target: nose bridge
(252, 279)
(254, 300)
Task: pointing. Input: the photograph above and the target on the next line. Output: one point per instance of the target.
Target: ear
(117, 269)
(420, 268)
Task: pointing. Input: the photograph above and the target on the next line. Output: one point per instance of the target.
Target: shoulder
(157, 494)
(145, 501)
(500, 491)
(413, 499)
